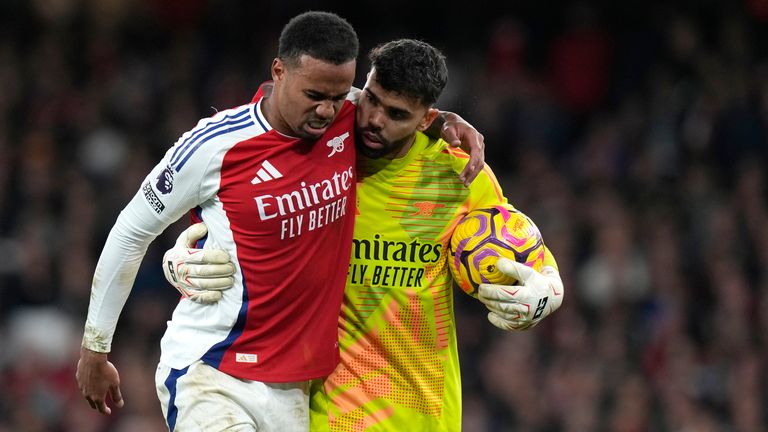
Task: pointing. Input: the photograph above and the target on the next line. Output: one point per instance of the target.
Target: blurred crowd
(635, 135)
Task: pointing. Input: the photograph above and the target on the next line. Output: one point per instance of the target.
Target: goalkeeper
(399, 365)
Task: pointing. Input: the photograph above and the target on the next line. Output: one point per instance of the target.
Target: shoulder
(232, 123)
(227, 126)
(220, 120)
(242, 112)
(354, 95)
(438, 157)
(442, 153)
(455, 159)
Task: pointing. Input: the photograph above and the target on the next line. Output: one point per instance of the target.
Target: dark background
(634, 133)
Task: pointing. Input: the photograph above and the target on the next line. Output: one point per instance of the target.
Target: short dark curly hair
(411, 68)
(321, 35)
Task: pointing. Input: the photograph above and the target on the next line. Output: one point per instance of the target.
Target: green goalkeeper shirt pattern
(399, 365)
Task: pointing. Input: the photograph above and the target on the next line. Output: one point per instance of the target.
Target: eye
(398, 115)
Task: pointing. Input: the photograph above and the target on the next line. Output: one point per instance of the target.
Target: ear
(278, 69)
(427, 120)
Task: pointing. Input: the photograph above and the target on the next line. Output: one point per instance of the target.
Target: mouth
(316, 127)
(372, 140)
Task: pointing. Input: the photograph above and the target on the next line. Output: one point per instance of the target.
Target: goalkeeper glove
(199, 274)
(522, 306)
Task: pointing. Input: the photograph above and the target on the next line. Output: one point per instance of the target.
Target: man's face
(310, 94)
(386, 122)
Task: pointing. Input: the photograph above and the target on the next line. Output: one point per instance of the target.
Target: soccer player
(275, 182)
(399, 362)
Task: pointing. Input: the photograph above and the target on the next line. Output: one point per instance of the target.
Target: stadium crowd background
(634, 133)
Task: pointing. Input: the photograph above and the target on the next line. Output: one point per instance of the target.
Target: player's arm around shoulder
(459, 133)
(485, 189)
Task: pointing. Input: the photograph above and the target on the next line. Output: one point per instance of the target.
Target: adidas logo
(246, 358)
(266, 173)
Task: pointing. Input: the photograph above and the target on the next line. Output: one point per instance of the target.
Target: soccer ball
(486, 234)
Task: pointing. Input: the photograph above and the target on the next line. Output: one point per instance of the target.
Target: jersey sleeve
(485, 190)
(549, 259)
(180, 181)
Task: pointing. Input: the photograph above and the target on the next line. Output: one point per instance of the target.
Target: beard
(388, 148)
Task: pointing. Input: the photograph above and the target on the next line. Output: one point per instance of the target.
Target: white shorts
(202, 398)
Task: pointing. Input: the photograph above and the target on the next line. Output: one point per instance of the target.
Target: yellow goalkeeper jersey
(399, 367)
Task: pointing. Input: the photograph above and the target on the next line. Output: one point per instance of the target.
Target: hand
(459, 133)
(199, 274)
(520, 307)
(95, 378)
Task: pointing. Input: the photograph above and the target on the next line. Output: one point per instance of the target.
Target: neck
(270, 111)
(404, 149)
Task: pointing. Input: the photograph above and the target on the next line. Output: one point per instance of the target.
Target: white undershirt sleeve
(187, 176)
(134, 230)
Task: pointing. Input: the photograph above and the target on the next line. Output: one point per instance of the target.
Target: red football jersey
(289, 203)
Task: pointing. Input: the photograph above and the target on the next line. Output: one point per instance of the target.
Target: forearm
(116, 271)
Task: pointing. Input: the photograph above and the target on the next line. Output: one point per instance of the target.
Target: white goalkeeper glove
(522, 306)
(199, 274)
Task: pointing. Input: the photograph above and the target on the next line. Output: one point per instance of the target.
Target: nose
(325, 110)
(376, 119)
